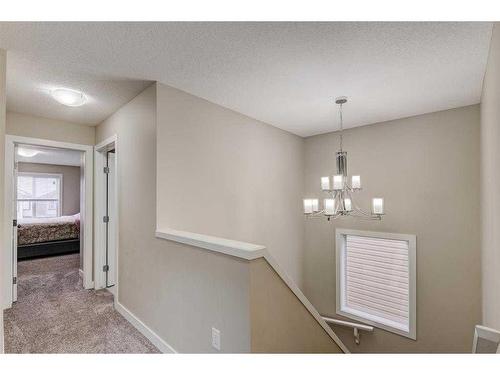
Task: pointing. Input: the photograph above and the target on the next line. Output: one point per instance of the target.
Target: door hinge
(105, 219)
(105, 268)
(14, 223)
(106, 169)
(14, 280)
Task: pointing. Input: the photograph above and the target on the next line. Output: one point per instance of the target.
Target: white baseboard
(144, 329)
(89, 285)
(112, 290)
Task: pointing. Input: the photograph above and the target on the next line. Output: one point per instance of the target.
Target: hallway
(54, 314)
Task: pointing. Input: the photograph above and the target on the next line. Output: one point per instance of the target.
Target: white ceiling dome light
(71, 98)
(27, 152)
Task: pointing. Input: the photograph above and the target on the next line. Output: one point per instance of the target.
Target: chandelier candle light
(340, 201)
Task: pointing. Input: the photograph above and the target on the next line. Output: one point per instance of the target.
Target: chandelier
(340, 200)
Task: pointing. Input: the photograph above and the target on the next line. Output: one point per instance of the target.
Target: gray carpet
(54, 314)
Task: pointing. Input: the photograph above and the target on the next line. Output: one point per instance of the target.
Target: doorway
(40, 207)
(106, 215)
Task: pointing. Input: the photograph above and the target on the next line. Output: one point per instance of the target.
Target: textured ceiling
(285, 74)
(47, 155)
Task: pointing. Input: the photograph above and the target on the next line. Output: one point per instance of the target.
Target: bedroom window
(38, 195)
(376, 279)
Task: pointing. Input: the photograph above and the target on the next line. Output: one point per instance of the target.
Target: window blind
(38, 195)
(376, 280)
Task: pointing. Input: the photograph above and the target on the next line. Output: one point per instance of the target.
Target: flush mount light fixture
(26, 152)
(71, 98)
(340, 201)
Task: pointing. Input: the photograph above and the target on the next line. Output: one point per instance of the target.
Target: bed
(48, 236)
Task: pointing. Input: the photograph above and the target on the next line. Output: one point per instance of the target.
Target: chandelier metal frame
(340, 202)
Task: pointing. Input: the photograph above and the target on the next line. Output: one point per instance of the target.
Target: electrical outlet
(216, 338)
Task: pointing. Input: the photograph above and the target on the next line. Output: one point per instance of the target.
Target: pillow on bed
(77, 220)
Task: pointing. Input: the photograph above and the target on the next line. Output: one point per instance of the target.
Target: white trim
(247, 251)
(86, 212)
(112, 290)
(156, 340)
(99, 233)
(47, 143)
(340, 234)
(7, 263)
(487, 334)
(101, 146)
(99, 209)
(238, 249)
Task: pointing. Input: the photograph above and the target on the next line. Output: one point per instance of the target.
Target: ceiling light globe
(71, 98)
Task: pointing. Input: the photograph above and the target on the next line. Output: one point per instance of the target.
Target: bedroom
(48, 198)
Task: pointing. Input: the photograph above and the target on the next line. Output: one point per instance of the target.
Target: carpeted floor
(54, 314)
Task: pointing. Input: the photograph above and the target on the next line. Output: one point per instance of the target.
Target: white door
(14, 231)
(112, 220)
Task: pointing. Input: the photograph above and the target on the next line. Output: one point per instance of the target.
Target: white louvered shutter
(376, 280)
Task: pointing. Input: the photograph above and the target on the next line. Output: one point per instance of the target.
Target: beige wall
(490, 184)
(180, 292)
(56, 130)
(280, 322)
(427, 169)
(71, 183)
(4, 227)
(223, 174)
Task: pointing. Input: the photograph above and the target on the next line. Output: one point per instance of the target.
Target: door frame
(100, 151)
(86, 211)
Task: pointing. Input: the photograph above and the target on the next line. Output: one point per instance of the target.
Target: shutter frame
(396, 321)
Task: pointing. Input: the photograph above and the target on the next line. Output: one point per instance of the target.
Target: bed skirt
(43, 249)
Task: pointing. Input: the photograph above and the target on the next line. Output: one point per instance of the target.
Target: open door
(111, 219)
(106, 215)
(14, 229)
